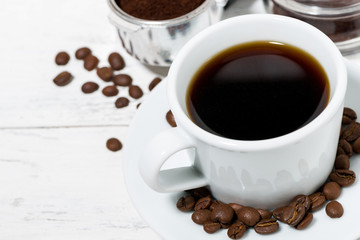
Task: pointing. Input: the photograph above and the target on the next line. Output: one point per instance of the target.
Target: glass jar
(338, 19)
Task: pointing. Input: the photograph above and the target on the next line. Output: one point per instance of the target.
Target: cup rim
(159, 23)
(185, 123)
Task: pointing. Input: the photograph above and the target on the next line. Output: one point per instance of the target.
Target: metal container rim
(158, 23)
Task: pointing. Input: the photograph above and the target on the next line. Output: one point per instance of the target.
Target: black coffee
(258, 90)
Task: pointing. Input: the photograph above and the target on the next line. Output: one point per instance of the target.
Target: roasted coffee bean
(317, 201)
(303, 199)
(356, 146)
(222, 213)
(342, 161)
(186, 204)
(123, 80)
(351, 132)
(349, 116)
(344, 147)
(110, 91)
(116, 61)
(81, 53)
(89, 87)
(278, 213)
(198, 193)
(203, 203)
(343, 177)
(294, 215)
(114, 144)
(305, 222)
(105, 73)
(135, 92)
(138, 105)
(201, 216)
(267, 226)
(334, 209)
(249, 216)
(226, 225)
(63, 78)
(236, 206)
(291, 215)
(90, 62)
(236, 230)
(211, 227)
(62, 58)
(154, 82)
(171, 119)
(214, 203)
(331, 190)
(264, 214)
(122, 102)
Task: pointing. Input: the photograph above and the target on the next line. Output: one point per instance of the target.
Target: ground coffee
(158, 9)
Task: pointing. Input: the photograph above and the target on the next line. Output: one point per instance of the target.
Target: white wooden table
(57, 179)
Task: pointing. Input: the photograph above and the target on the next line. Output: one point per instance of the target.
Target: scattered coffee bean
(214, 204)
(123, 80)
(343, 177)
(211, 227)
(305, 222)
(334, 209)
(222, 213)
(113, 144)
(331, 190)
(186, 204)
(135, 91)
(82, 53)
(342, 161)
(170, 118)
(116, 61)
(89, 87)
(356, 146)
(198, 193)
(154, 82)
(105, 73)
(351, 132)
(90, 62)
(349, 116)
(236, 230)
(201, 216)
(317, 201)
(110, 91)
(203, 203)
(62, 58)
(138, 105)
(267, 226)
(344, 147)
(63, 78)
(236, 206)
(122, 102)
(294, 215)
(278, 213)
(264, 214)
(226, 225)
(249, 216)
(304, 200)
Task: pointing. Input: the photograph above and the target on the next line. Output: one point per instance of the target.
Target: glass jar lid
(322, 8)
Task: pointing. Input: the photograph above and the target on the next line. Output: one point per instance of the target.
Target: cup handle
(157, 152)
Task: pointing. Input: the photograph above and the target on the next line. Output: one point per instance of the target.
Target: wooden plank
(64, 184)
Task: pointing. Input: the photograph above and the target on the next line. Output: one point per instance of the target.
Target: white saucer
(159, 209)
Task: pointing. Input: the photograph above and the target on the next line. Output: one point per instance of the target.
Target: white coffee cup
(262, 173)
